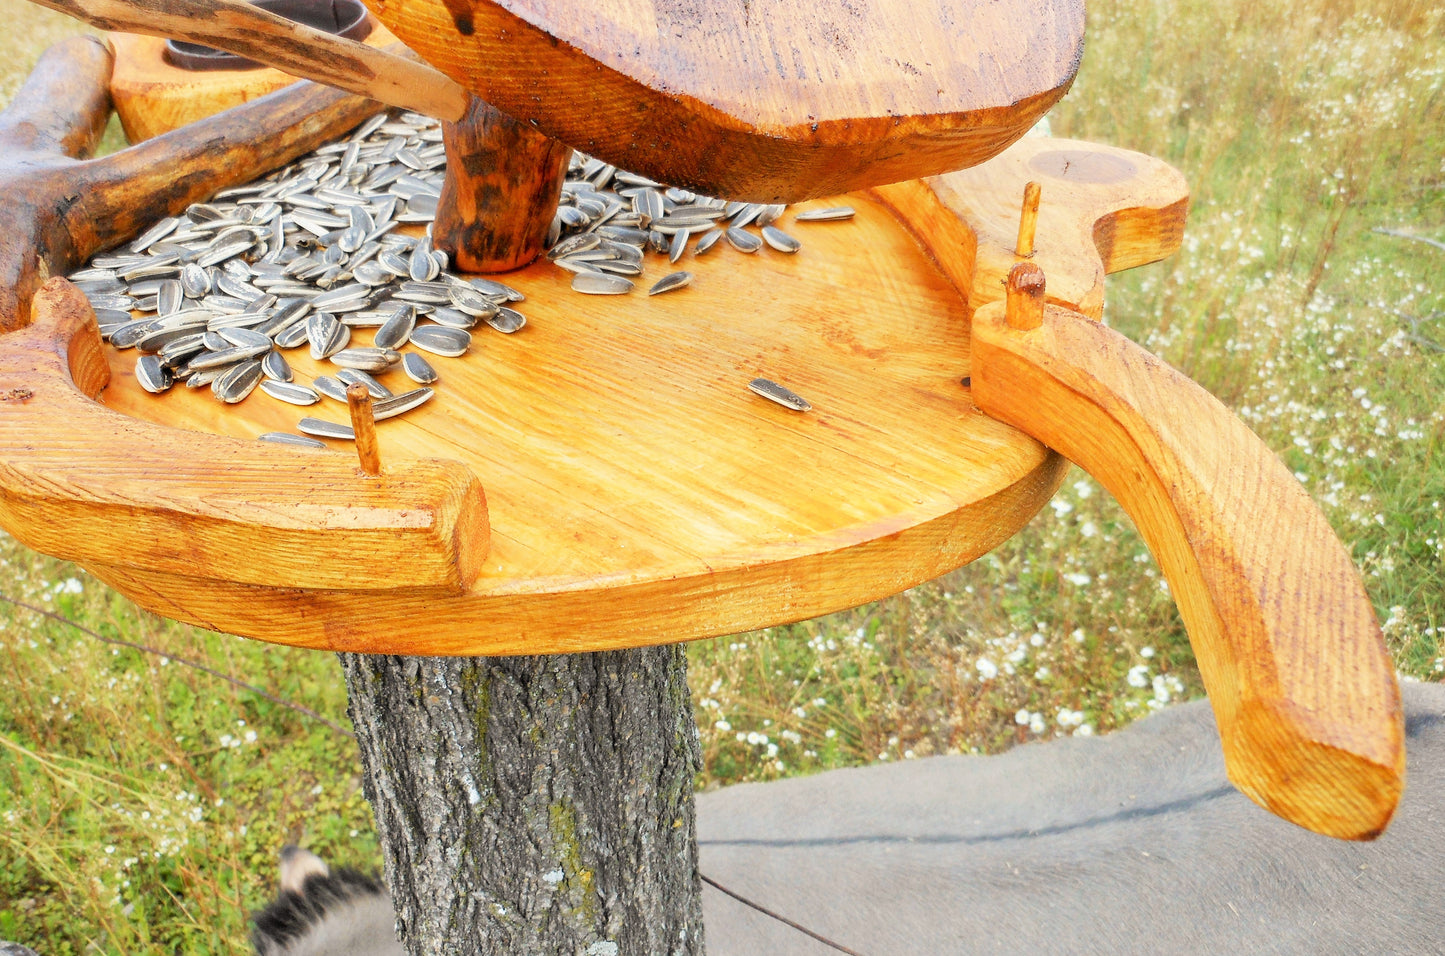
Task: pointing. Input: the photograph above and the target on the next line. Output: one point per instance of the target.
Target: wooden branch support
(502, 184)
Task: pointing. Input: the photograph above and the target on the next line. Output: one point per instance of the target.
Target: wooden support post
(1024, 307)
(363, 426)
(501, 190)
(534, 804)
(1028, 221)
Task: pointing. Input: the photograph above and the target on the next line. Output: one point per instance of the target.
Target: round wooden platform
(638, 491)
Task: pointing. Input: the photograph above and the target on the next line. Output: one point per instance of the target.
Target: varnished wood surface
(152, 97)
(1286, 638)
(637, 490)
(90, 485)
(766, 100)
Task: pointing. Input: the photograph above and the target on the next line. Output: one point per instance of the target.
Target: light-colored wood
(1103, 209)
(491, 155)
(767, 100)
(295, 49)
(1028, 220)
(1024, 302)
(1285, 635)
(638, 492)
(363, 426)
(90, 485)
(152, 97)
(59, 209)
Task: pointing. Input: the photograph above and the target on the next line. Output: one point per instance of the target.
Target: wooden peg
(1028, 221)
(1024, 307)
(501, 189)
(358, 401)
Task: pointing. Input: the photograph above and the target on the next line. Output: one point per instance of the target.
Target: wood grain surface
(294, 48)
(152, 97)
(1285, 635)
(764, 100)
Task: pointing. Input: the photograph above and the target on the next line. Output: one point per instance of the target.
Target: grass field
(142, 801)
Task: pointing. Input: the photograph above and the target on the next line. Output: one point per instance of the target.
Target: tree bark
(534, 805)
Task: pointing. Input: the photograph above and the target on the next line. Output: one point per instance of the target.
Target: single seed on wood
(507, 320)
(355, 376)
(743, 241)
(368, 359)
(440, 340)
(679, 244)
(780, 240)
(275, 367)
(833, 214)
(493, 287)
(237, 382)
(774, 392)
(293, 393)
(395, 331)
(471, 301)
(418, 369)
(326, 335)
(395, 405)
(363, 427)
(324, 429)
(669, 282)
(286, 438)
(332, 388)
(595, 283)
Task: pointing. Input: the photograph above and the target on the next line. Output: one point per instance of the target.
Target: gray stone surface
(1131, 843)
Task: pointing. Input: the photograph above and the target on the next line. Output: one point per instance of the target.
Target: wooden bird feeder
(605, 479)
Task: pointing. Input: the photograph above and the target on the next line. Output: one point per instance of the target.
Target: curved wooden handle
(1287, 642)
(84, 483)
(239, 27)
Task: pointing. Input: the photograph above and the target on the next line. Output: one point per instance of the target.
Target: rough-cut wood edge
(293, 48)
(83, 483)
(1286, 638)
(652, 127)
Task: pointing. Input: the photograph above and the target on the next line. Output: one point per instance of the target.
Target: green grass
(139, 814)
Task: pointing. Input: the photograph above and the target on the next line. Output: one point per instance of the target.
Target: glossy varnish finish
(762, 100)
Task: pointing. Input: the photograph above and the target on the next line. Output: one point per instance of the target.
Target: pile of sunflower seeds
(312, 252)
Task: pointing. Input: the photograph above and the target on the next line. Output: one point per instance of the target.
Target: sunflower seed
(673, 280)
(236, 383)
(833, 214)
(455, 318)
(708, 240)
(325, 429)
(395, 405)
(243, 337)
(471, 301)
(594, 283)
(492, 287)
(777, 393)
(326, 335)
(332, 388)
(743, 241)
(353, 376)
(371, 359)
(394, 333)
(507, 320)
(152, 375)
(440, 340)
(286, 438)
(293, 392)
(418, 369)
(276, 367)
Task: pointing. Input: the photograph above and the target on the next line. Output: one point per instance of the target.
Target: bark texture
(500, 193)
(533, 805)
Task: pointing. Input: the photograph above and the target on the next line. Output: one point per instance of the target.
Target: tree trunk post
(534, 805)
(501, 189)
